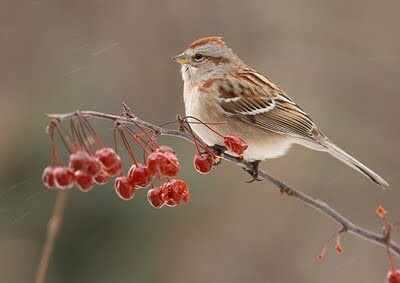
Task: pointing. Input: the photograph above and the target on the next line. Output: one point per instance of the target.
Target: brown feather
(262, 103)
(205, 40)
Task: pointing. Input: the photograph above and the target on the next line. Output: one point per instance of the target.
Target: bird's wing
(255, 99)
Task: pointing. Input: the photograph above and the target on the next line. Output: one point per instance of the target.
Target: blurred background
(338, 59)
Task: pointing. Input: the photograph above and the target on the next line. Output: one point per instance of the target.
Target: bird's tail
(353, 163)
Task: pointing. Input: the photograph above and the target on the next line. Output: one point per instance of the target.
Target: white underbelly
(266, 150)
(267, 146)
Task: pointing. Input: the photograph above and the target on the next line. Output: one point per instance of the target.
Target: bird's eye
(198, 57)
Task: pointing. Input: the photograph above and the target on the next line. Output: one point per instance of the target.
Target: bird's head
(207, 58)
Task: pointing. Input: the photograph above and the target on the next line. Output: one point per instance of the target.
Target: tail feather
(353, 163)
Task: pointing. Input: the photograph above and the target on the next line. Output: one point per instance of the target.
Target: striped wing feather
(255, 99)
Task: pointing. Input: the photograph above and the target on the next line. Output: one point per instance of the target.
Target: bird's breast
(202, 106)
(262, 143)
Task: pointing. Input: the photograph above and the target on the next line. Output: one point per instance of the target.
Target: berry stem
(91, 129)
(74, 135)
(64, 136)
(325, 247)
(55, 155)
(138, 139)
(391, 260)
(205, 124)
(196, 140)
(115, 139)
(81, 141)
(86, 138)
(126, 143)
(130, 118)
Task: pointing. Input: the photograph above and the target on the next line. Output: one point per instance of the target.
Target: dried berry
(167, 163)
(178, 191)
(48, 177)
(63, 177)
(235, 144)
(94, 166)
(124, 188)
(171, 203)
(339, 248)
(108, 157)
(116, 169)
(381, 211)
(393, 276)
(203, 163)
(139, 176)
(102, 178)
(152, 162)
(157, 196)
(83, 180)
(79, 161)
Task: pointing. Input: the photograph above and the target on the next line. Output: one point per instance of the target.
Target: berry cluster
(171, 194)
(161, 162)
(84, 170)
(89, 166)
(92, 163)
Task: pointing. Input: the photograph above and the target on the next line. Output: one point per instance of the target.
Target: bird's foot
(253, 171)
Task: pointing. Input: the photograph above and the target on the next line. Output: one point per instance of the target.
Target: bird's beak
(181, 58)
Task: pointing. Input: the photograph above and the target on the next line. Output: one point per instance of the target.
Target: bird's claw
(253, 171)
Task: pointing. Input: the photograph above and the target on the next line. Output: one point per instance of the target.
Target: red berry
(170, 165)
(79, 161)
(124, 188)
(48, 177)
(203, 163)
(139, 176)
(63, 177)
(157, 196)
(381, 211)
(339, 248)
(177, 191)
(171, 203)
(102, 178)
(82, 161)
(94, 166)
(112, 171)
(152, 162)
(167, 163)
(235, 144)
(83, 180)
(164, 149)
(393, 276)
(108, 157)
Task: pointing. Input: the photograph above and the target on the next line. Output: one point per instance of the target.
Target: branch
(53, 227)
(346, 224)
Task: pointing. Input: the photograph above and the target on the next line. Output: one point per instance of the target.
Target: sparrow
(220, 87)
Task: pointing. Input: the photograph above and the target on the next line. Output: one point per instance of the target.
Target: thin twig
(53, 227)
(345, 223)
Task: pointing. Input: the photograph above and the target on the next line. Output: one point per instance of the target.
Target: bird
(220, 87)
